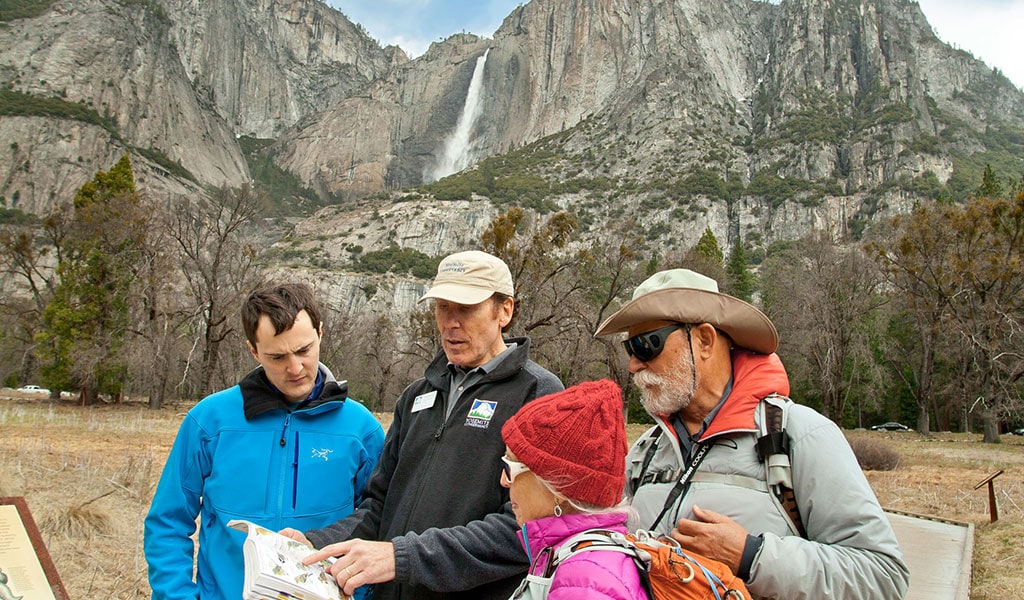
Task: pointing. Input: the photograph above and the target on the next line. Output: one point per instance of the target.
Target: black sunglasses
(647, 346)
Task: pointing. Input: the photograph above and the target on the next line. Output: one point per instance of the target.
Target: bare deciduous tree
(959, 272)
(987, 299)
(218, 271)
(26, 263)
(544, 275)
(370, 352)
(913, 253)
(159, 317)
(825, 300)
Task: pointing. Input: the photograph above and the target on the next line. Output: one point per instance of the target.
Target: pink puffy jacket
(586, 575)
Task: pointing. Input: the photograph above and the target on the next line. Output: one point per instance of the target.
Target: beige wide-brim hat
(470, 277)
(686, 296)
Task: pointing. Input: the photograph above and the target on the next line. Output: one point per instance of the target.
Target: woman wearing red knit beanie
(565, 469)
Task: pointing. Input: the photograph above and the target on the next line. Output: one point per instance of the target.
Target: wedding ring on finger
(347, 572)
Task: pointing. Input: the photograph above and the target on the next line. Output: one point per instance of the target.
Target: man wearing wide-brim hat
(707, 371)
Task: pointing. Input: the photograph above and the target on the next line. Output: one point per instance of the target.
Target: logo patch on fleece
(481, 413)
(318, 453)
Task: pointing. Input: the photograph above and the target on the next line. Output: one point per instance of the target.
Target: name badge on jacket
(424, 401)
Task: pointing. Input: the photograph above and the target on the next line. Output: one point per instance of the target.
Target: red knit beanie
(575, 440)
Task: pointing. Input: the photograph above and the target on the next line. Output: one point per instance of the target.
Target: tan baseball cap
(470, 278)
(686, 296)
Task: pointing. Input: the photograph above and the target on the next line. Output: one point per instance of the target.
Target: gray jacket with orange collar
(850, 550)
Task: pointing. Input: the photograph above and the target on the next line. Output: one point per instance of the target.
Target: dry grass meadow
(88, 473)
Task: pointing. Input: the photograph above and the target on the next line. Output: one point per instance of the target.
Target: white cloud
(412, 46)
(988, 29)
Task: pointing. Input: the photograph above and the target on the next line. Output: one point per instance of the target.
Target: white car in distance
(34, 389)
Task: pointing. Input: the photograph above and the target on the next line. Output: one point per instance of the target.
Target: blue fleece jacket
(243, 453)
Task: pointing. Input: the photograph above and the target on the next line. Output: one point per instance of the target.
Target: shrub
(526, 190)
(873, 455)
(925, 144)
(637, 413)
(286, 192)
(820, 118)
(23, 9)
(459, 186)
(927, 185)
(397, 260)
(152, 7)
(777, 190)
(14, 216)
(79, 522)
(173, 167)
(17, 103)
(701, 182)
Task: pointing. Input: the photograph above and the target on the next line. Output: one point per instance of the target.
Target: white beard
(670, 393)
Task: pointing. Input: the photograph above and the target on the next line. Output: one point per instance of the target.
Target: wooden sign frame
(993, 508)
(38, 548)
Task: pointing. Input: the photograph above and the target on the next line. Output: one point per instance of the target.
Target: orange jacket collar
(754, 376)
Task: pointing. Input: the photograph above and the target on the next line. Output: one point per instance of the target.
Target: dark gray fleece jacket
(435, 493)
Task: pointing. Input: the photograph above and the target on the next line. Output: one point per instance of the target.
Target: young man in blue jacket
(284, 447)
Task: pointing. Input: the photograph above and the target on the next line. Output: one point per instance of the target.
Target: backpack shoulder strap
(773, 451)
(604, 539)
(638, 478)
(593, 539)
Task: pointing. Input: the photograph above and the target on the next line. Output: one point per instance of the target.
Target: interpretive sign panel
(26, 569)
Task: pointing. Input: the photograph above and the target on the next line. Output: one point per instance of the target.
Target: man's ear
(252, 350)
(320, 330)
(707, 337)
(508, 308)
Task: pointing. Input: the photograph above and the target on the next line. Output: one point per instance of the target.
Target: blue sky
(414, 24)
(989, 29)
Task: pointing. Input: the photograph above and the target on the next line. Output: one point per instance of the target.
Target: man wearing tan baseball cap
(435, 521)
(470, 277)
(707, 371)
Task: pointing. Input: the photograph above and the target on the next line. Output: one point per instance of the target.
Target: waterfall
(457, 146)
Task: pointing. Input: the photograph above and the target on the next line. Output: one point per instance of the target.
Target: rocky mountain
(862, 91)
(174, 82)
(759, 120)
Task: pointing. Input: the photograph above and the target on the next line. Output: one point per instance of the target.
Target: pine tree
(990, 186)
(85, 321)
(741, 280)
(706, 257)
(708, 247)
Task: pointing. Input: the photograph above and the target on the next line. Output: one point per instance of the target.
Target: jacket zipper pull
(440, 430)
(295, 473)
(285, 430)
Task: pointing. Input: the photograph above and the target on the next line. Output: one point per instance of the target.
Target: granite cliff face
(265, 64)
(335, 234)
(177, 83)
(815, 115)
(117, 61)
(386, 136)
(739, 78)
(807, 114)
(551, 64)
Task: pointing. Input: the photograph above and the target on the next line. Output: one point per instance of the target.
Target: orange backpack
(667, 572)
